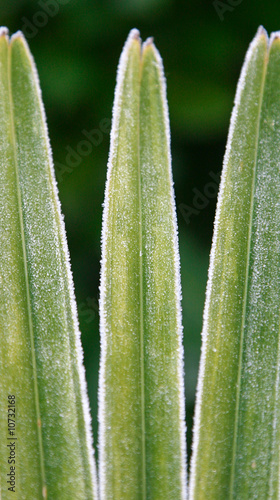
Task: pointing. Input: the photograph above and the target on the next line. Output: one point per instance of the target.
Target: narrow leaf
(141, 416)
(40, 352)
(237, 423)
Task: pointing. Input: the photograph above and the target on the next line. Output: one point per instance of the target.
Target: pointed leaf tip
(275, 35)
(262, 31)
(260, 35)
(4, 31)
(134, 34)
(149, 41)
(18, 35)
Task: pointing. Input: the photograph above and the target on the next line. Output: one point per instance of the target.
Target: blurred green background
(76, 45)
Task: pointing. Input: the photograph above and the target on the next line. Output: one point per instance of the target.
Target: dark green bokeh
(76, 45)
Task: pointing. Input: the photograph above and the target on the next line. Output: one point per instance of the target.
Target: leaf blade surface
(141, 376)
(52, 412)
(237, 402)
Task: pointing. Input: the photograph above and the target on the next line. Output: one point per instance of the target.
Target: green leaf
(40, 353)
(141, 414)
(237, 423)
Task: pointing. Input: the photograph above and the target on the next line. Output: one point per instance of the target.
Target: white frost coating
(4, 31)
(261, 31)
(178, 290)
(134, 34)
(150, 41)
(274, 36)
(62, 232)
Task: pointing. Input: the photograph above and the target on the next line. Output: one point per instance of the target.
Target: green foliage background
(77, 52)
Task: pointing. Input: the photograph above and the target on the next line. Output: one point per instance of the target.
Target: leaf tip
(148, 42)
(4, 31)
(19, 42)
(134, 34)
(274, 36)
(260, 37)
(261, 32)
(132, 40)
(19, 37)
